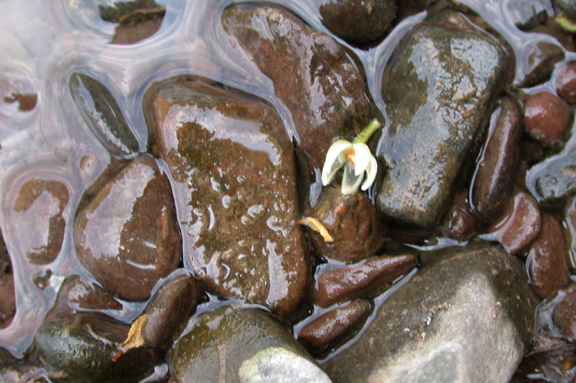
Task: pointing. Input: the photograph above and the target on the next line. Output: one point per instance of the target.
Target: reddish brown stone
(39, 217)
(546, 118)
(352, 222)
(566, 83)
(7, 300)
(565, 312)
(518, 225)
(127, 236)
(459, 223)
(365, 278)
(500, 159)
(547, 259)
(334, 327)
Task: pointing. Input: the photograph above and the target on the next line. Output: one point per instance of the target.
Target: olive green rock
(438, 88)
(235, 345)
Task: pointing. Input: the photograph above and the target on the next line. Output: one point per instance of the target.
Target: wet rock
(127, 236)
(527, 15)
(566, 83)
(537, 60)
(547, 259)
(565, 312)
(235, 184)
(7, 300)
(546, 118)
(312, 75)
(366, 278)
(569, 226)
(459, 223)
(568, 7)
(492, 183)
(436, 112)
(352, 223)
(169, 309)
(6, 359)
(80, 348)
(552, 365)
(137, 20)
(518, 225)
(454, 311)
(40, 219)
(5, 262)
(358, 22)
(241, 345)
(553, 180)
(102, 114)
(23, 373)
(334, 327)
(76, 295)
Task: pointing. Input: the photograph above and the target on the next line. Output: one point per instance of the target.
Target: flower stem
(367, 132)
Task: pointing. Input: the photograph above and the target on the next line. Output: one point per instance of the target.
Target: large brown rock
(127, 236)
(312, 74)
(235, 185)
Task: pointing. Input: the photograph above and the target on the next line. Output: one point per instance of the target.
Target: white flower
(356, 160)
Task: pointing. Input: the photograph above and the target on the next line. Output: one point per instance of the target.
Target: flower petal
(362, 157)
(350, 181)
(335, 159)
(371, 171)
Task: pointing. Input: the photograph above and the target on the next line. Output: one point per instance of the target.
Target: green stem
(566, 24)
(367, 132)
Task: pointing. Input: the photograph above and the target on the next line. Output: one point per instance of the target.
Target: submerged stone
(127, 235)
(436, 113)
(235, 185)
(471, 307)
(40, 219)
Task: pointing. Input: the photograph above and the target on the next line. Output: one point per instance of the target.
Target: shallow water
(42, 43)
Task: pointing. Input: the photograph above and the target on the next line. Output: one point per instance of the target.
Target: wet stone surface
(358, 22)
(351, 221)
(39, 212)
(369, 277)
(547, 118)
(538, 62)
(312, 75)
(436, 113)
(453, 313)
(241, 345)
(547, 259)
(519, 223)
(566, 83)
(80, 348)
(492, 185)
(127, 235)
(334, 327)
(235, 187)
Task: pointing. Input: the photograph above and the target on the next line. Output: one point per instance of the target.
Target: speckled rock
(312, 74)
(40, 219)
(127, 235)
(235, 185)
(436, 113)
(454, 311)
(241, 346)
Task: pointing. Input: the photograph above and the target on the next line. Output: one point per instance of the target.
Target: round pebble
(546, 118)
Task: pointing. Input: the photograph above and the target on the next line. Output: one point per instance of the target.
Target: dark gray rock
(81, 348)
(438, 88)
(102, 114)
(235, 184)
(466, 317)
(241, 345)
